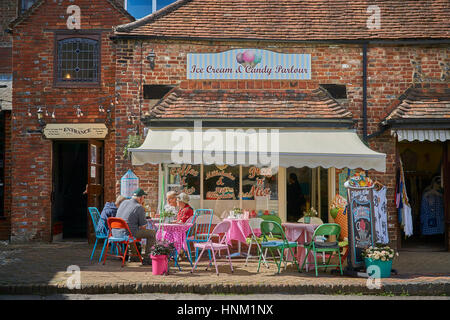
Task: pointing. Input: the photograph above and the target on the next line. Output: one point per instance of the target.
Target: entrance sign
(75, 131)
(361, 223)
(248, 64)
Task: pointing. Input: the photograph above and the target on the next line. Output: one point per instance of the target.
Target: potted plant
(380, 256)
(166, 216)
(308, 214)
(159, 254)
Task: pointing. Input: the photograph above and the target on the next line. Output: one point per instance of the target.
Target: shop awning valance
(260, 147)
(421, 135)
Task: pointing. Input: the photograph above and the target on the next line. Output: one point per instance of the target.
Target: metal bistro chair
(199, 231)
(221, 228)
(101, 230)
(255, 223)
(326, 229)
(119, 223)
(269, 228)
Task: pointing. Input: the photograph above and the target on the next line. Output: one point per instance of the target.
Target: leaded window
(78, 60)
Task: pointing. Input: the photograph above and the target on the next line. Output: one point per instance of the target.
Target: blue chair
(101, 230)
(199, 231)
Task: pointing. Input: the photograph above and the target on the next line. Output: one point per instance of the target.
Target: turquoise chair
(101, 230)
(199, 231)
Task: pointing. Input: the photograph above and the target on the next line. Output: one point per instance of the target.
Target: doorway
(424, 170)
(69, 204)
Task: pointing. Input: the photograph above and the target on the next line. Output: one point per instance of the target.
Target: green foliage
(134, 141)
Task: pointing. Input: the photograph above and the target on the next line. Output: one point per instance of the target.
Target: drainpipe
(364, 98)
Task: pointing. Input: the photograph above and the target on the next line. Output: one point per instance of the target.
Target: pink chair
(221, 228)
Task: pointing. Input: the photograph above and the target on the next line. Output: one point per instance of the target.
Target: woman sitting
(185, 211)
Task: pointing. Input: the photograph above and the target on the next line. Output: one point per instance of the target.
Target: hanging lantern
(128, 184)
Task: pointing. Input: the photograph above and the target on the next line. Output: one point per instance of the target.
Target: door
(446, 181)
(95, 181)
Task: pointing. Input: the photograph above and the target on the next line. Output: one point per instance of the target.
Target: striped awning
(421, 135)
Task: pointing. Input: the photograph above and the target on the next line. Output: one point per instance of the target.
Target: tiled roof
(423, 102)
(38, 3)
(248, 104)
(295, 20)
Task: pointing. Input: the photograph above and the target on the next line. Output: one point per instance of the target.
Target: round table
(300, 233)
(239, 230)
(173, 232)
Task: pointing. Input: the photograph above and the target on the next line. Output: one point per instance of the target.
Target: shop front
(220, 173)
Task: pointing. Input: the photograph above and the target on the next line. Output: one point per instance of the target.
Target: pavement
(47, 269)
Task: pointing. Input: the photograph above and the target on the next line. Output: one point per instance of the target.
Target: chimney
(153, 6)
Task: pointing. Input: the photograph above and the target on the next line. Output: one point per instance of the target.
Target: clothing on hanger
(380, 209)
(402, 202)
(432, 213)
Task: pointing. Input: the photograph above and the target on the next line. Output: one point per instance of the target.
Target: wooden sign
(361, 223)
(75, 131)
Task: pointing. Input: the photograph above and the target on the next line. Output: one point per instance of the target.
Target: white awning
(285, 148)
(421, 134)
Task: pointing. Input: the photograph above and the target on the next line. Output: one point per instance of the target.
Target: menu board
(221, 182)
(361, 223)
(259, 182)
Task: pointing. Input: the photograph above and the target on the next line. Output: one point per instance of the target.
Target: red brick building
(365, 59)
(63, 64)
(379, 68)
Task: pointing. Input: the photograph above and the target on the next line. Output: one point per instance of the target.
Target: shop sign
(75, 131)
(253, 64)
(181, 179)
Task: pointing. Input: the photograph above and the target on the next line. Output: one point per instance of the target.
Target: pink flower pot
(159, 264)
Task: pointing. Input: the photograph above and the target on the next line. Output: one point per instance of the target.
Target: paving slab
(42, 268)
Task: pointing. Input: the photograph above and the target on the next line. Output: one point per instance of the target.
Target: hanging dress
(432, 213)
(380, 208)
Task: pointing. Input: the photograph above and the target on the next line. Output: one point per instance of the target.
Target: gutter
(364, 98)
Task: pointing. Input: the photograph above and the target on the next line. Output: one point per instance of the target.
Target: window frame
(76, 84)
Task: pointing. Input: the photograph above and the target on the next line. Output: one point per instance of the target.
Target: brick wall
(391, 70)
(33, 59)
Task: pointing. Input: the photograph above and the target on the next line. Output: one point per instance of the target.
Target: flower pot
(159, 264)
(384, 266)
(307, 220)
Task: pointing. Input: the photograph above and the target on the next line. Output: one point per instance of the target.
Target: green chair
(268, 230)
(326, 229)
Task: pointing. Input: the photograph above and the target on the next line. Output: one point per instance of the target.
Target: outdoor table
(173, 232)
(300, 233)
(239, 230)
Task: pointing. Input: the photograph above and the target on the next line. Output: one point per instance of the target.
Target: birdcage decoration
(128, 184)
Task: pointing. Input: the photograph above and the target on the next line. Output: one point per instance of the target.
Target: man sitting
(133, 213)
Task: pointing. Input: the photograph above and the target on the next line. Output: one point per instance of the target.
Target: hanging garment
(432, 213)
(408, 224)
(380, 208)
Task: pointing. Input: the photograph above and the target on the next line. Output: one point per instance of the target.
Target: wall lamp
(151, 59)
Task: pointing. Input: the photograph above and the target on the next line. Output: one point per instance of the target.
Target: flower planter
(307, 220)
(385, 266)
(159, 264)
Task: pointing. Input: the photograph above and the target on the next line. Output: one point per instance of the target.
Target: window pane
(184, 178)
(221, 182)
(259, 189)
(78, 60)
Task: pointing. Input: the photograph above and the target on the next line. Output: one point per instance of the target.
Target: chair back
(272, 228)
(100, 230)
(328, 229)
(255, 223)
(201, 224)
(118, 223)
(271, 217)
(221, 228)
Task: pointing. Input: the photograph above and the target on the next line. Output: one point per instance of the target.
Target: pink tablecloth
(239, 230)
(301, 233)
(173, 232)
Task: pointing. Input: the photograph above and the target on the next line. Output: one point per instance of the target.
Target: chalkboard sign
(361, 223)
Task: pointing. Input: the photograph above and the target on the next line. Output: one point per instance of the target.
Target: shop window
(221, 182)
(184, 178)
(78, 60)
